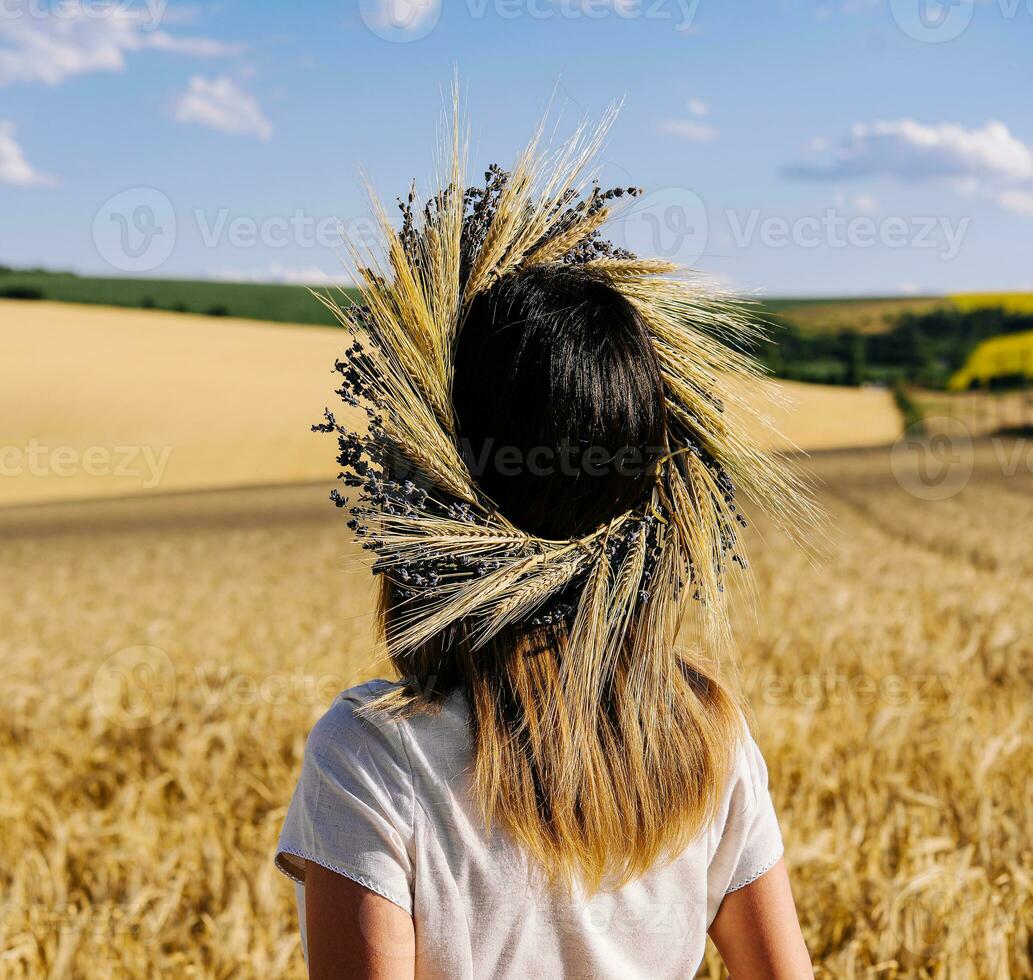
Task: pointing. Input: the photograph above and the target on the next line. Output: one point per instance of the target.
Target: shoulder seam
(403, 737)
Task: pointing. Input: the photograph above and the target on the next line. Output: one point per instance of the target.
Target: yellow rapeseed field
(1008, 355)
(1013, 302)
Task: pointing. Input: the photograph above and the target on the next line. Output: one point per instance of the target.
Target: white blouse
(388, 804)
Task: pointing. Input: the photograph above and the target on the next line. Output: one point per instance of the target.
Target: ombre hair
(596, 780)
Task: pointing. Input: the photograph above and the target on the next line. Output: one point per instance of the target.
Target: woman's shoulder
(355, 727)
(353, 807)
(749, 770)
(352, 719)
(363, 694)
(356, 699)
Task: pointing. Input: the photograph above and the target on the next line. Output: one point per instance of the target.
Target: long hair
(498, 332)
(560, 410)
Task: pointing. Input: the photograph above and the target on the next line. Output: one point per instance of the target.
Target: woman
(554, 788)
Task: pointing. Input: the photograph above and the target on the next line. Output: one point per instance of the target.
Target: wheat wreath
(413, 503)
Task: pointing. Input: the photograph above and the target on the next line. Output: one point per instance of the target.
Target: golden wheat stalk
(525, 599)
(621, 271)
(532, 200)
(561, 243)
(584, 667)
(454, 603)
(624, 596)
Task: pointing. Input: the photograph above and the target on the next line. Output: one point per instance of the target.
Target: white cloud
(694, 130)
(306, 276)
(1017, 200)
(14, 168)
(987, 162)
(198, 47)
(39, 44)
(222, 104)
(914, 151)
(688, 129)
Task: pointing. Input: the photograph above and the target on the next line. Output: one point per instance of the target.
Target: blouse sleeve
(750, 842)
(352, 810)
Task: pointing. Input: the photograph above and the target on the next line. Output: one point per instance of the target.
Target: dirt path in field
(305, 503)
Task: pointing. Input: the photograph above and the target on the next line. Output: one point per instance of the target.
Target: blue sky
(789, 148)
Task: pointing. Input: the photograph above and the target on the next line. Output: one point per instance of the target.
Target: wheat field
(168, 643)
(101, 402)
(165, 657)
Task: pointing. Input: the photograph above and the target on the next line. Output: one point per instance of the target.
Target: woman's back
(389, 804)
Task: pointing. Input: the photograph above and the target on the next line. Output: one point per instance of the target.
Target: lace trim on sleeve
(743, 882)
(285, 866)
